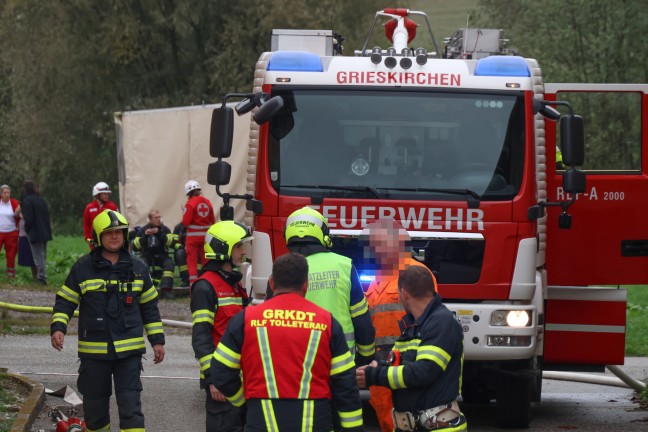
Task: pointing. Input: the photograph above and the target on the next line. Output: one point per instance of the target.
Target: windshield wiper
(370, 189)
(473, 197)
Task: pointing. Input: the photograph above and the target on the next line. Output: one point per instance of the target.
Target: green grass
(62, 252)
(637, 321)
(11, 398)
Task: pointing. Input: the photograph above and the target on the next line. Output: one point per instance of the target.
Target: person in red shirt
(101, 193)
(197, 218)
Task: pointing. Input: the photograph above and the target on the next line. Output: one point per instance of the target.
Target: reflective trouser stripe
(307, 415)
(269, 416)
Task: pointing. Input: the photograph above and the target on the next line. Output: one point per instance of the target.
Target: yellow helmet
(307, 224)
(108, 220)
(222, 237)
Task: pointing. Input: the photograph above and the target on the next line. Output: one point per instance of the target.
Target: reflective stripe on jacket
(197, 218)
(213, 303)
(306, 366)
(329, 286)
(117, 303)
(386, 310)
(293, 359)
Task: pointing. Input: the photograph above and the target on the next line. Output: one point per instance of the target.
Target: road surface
(173, 402)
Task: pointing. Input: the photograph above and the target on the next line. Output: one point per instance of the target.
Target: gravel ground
(177, 309)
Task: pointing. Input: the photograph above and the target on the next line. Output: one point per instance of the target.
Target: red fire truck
(460, 147)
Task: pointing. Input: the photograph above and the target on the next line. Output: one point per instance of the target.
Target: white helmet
(100, 187)
(191, 185)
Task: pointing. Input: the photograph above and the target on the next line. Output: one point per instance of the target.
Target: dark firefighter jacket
(294, 359)
(155, 245)
(431, 360)
(117, 303)
(215, 298)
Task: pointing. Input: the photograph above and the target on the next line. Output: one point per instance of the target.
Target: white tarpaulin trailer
(159, 150)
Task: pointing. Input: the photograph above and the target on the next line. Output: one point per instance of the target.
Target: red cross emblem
(202, 209)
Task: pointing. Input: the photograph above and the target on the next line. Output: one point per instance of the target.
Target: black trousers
(95, 384)
(222, 416)
(161, 268)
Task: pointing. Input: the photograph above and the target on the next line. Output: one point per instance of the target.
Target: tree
(586, 41)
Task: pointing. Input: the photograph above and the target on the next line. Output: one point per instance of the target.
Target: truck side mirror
(572, 140)
(255, 206)
(219, 173)
(574, 181)
(221, 133)
(268, 110)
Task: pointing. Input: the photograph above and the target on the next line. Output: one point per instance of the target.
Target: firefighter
(334, 283)
(425, 366)
(385, 250)
(293, 358)
(117, 302)
(101, 193)
(154, 240)
(216, 296)
(197, 218)
(180, 255)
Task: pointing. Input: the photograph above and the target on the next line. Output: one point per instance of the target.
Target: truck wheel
(475, 394)
(513, 401)
(536, 387)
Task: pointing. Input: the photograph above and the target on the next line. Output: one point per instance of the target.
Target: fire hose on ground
(49, 310)
(623, 380)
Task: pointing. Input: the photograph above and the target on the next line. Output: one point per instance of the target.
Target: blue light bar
(295, 61)
(365, 278)
(503, 66)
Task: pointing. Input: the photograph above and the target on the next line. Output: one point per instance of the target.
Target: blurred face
(103, 197)
(6, 194)
(238, 254)
(156, 219)
(388, 245)
(112, 241)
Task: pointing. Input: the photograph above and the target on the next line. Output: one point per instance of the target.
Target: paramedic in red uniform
(293, 358)
(197, 218)
(217, 296)
(101, 193)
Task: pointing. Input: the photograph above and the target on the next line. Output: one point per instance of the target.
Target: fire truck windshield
(397, 144)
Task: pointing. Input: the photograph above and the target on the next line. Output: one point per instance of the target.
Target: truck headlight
(510, 318)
